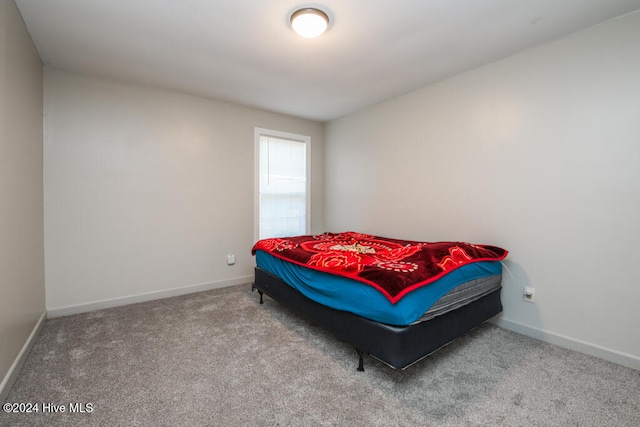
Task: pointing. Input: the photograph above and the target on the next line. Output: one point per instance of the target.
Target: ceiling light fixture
(309, 22)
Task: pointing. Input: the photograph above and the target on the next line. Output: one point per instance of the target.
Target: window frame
(260, 132)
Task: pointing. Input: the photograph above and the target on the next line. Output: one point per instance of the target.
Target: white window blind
(282, 186)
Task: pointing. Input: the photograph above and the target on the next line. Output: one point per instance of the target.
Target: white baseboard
(132, 299)
(624, 359)
(14, 370)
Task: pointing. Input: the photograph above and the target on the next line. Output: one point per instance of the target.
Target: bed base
(398, 347)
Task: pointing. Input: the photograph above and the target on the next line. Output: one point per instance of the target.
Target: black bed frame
(398, 347)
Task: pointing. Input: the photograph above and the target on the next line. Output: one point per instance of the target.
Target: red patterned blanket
(394, 267)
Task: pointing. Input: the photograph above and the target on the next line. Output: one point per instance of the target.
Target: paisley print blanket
(394, 267)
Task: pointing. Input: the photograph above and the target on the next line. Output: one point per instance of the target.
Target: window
(282, 184)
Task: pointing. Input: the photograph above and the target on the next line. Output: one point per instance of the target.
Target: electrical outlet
(529, 294)
(231, 259)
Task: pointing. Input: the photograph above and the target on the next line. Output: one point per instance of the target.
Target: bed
(395, 300)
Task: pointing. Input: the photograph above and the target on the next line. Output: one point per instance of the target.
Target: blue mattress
(366, 301)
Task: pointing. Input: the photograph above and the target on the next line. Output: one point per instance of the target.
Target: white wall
(22, 294)
(148, 190)
(539, 154)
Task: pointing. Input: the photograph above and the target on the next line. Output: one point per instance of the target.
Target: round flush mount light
(309, 22)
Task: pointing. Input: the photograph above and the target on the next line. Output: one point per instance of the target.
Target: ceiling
(244, 51)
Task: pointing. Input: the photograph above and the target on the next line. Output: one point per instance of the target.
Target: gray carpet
(219, 358)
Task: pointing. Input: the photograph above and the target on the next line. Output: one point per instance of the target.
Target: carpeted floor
(220, 358)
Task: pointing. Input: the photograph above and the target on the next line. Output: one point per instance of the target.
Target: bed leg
(253, 288)
(360, 361)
